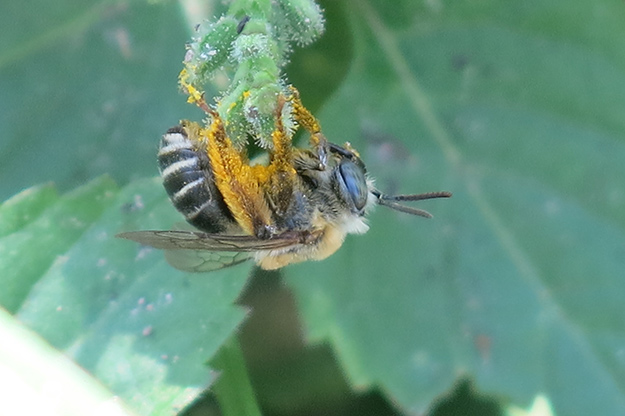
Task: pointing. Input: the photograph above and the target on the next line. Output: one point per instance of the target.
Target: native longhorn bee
(298, 207)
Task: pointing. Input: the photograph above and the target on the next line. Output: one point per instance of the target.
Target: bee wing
(198, 261)
(194, 240)
(200, 252)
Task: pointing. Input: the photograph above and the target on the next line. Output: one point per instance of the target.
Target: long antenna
(389, 201)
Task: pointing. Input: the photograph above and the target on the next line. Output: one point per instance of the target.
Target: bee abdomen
(190, 184)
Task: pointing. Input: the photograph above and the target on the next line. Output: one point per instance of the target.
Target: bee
(298, 207)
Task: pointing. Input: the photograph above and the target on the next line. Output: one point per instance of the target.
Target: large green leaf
(25, 207)
(28, 252)
(518, 281)
(87, 88)
(119, 310)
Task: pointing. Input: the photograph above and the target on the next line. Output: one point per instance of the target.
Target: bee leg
(279, 177)
(236, 180)
(282, 152)
(305, 119)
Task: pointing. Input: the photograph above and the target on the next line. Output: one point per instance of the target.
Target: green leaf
(29, 252)
(87, 89)
(141, 327)
(517, 283)
(25, 207)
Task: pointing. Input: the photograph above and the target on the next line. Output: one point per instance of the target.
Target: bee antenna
(417, 197)
(389, 201)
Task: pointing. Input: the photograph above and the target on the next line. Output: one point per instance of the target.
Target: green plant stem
(233, 388)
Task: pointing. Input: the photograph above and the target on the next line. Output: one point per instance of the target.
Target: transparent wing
(195, 251)
(194, 240)
(198, 261)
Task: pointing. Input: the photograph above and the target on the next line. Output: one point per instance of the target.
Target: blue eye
(355, 183)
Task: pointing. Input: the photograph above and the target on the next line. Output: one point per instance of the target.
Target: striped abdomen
(189, 182)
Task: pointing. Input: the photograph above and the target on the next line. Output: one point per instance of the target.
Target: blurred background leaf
(516, 284)
(78, 97)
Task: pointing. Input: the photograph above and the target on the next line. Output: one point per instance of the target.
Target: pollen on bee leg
(235, 179)
(305, 118)
(282, 155)
(302, 115)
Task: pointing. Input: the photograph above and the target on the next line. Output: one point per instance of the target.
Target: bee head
(350, 179)
(352, 186)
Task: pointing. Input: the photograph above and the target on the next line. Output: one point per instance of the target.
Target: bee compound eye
(354, 183)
